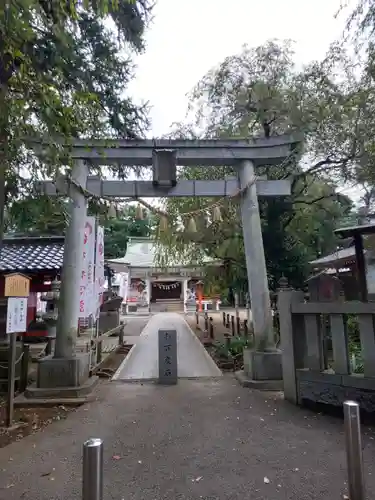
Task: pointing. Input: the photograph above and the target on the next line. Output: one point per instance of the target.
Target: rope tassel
(191, 226)
(112, 212)
(163, 224)
(139, 212)
(216, 214)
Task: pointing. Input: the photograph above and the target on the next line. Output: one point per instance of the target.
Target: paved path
(142, 363)
(209, 440)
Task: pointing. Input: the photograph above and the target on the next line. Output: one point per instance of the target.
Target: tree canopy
(64, 69)
(261, 92)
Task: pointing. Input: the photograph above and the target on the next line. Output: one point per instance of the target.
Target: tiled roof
(32, 254)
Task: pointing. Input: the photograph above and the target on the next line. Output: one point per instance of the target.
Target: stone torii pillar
(262, 365)
(65, 373)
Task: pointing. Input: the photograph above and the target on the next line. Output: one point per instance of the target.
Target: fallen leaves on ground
(197, 479)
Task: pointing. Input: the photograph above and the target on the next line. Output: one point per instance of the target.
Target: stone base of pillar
(63, 378)
(262, 370)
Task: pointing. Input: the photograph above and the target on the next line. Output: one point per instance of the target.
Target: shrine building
(172, 288)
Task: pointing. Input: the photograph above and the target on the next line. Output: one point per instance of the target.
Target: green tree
(45, 216)
(117, 231)
(63, 71)
(260, 92)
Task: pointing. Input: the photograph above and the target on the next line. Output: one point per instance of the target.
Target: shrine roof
(363, 229)
(32, 253)
(141, 252)
(344, 256)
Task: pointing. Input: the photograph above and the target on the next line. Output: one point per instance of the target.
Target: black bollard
(232, 326)
(227, 322)
(197, 318)
(212, 336)
(206, 321)
(224, 322)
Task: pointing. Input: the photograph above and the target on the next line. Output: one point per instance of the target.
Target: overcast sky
(188, 37)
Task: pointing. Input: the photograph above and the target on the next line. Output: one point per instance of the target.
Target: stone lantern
(50, 316)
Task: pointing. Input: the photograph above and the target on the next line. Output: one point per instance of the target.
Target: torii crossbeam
(264, 364)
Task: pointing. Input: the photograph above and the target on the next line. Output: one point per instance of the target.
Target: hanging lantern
(139, 212)
(163, 224)
(112, 212)
(216, 214)
(191, 226)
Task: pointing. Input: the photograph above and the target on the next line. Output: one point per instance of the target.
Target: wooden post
(223, 318)
(238, 320)
(227, 341)
(206, 321)
(24, 367)
(361, 267)
(212, 336)
(285, 299)
(232, 326)
(245, 329)
(227, 322)
(11, 380)
(17, 289)
(121, 335)
(99, 351)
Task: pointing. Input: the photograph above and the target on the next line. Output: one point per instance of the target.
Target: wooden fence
(320, 371)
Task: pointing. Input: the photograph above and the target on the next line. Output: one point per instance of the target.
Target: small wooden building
(355, 264)
(39, 258)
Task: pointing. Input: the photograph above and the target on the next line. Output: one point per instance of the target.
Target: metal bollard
(224, 319)
(197, 318)
(353, 440)
(92, 474)
(232, 326)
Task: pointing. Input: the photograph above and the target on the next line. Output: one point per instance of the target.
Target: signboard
(17, 285)
(16, 315)
(87, 269)
(99, 268)
(167, 357)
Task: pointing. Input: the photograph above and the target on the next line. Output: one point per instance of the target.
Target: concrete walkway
(199, 439)
(193, 361)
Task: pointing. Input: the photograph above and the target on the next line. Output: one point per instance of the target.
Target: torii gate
(264, 363)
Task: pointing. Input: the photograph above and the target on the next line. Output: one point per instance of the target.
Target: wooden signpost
(17, 289)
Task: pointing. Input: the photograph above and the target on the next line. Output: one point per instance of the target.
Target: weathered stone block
(260, 365)
(61, 372)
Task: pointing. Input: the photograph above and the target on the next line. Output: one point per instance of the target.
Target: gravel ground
(210, 440)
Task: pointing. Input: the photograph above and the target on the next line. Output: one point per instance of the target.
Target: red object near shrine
(39, 258)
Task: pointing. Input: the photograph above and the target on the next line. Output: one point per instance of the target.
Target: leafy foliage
(64, 67)
(260, 92)
(44, 216)
(118, 231)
